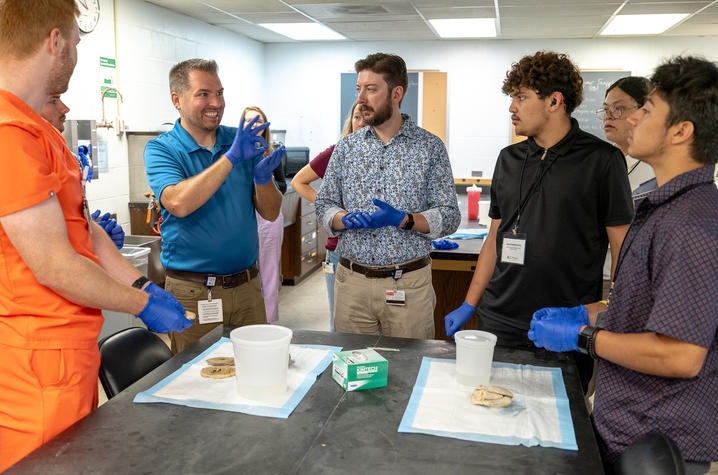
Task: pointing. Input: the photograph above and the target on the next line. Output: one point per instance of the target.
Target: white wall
(304, 81)
(150, 40)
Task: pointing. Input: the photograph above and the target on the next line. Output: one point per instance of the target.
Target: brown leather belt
(384, 271)
(227, 281)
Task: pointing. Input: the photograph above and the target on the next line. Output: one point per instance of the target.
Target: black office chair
(128, 355)
(653, 454)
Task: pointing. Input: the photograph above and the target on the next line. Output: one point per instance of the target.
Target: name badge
(328, 267)
(210, 311)
(395, 297)
(513, 249)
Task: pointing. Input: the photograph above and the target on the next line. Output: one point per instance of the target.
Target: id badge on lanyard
(210, 310)
(513, 248)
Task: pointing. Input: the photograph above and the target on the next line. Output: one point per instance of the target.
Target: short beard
(381, 115)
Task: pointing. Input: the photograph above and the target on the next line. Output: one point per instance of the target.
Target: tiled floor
(305, 307)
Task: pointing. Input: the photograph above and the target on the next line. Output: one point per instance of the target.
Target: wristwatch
(409, 222)
(587, 341)
(142, 280)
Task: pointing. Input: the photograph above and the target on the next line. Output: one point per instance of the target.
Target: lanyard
(540, 174)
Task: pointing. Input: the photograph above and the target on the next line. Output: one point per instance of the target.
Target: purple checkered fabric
(667, 283)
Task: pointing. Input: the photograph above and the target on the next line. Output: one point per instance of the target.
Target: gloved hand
(162, 315)
(114, 230)
(247, 144)
(157, 291)
(454, 320)
(356, 220)
(578, 314)
(265, 168)
(385, 215)
(444, 244)
(83, 151)
(555, 334)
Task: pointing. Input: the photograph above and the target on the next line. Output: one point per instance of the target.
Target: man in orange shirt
(57, 268)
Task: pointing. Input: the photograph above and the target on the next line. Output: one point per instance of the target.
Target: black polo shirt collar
(562, 147)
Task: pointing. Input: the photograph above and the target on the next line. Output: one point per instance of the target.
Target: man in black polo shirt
(557, 200)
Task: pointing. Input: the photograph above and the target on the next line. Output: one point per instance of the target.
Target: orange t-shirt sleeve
(26, 174)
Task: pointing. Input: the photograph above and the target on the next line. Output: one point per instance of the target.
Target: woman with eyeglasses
(623, 98)
(271, 233)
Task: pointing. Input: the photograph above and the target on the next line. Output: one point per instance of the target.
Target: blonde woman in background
(271, 233)
(301, 183)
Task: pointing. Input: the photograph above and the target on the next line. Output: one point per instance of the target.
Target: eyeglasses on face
(613, 112)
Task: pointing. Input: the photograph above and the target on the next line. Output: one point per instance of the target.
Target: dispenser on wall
(83, 132)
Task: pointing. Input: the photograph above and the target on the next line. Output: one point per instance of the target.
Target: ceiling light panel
(465, 27)
(642, 24)
(304, 31)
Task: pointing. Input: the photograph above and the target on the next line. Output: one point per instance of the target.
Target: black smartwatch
(141, 280)
(587, 341)
(409, 222)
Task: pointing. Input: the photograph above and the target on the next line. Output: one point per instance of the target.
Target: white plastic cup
(261, 354)
(474, 355)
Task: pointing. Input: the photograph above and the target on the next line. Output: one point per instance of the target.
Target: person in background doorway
(557, 200)
(623, 98)
(57, 267)
(657, 341)
(210, 179)
(388, 191)
(54, 111)
(301, 183)
(270, 233)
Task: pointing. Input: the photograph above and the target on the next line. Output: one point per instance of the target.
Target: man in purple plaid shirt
(656, 344)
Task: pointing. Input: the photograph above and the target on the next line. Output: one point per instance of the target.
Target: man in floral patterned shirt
(388, 191)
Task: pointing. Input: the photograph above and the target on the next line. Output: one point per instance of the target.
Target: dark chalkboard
(410, 104)
(595, 84)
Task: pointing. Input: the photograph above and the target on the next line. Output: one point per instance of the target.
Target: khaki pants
(360, 304)
(241, 305)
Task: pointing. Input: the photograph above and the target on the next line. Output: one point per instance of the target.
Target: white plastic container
(138, 256)
(474, 355)
(261, 353)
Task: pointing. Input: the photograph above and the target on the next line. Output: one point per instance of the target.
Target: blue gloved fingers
(247, 144)
(249, 126)
(362, 219)
(161, 315)
(556, 334)
(385, 215)
(381, 204)
(579, 314)
(157, 291)
(455, 319)
(95, 215)
(108, 225)
(264, 170)
(541, 314)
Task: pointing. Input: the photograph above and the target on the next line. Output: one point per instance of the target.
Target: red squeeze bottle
(473, 195)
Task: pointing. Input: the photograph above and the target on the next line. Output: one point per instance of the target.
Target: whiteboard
(595, 84)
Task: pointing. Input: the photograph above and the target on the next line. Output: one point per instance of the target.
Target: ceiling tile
(431, 13)
(655, 8)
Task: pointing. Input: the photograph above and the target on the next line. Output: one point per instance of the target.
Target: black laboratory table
(331, 431)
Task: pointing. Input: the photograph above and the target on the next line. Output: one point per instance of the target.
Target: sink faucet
(118, 122)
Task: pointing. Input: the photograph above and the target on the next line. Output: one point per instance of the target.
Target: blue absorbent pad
(539, 413)
(468, 233)
(187, 388)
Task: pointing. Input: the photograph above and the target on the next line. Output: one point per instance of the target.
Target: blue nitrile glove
(555, 334)
(114, 230)
(444, 244)
(157, 291)
(578, 314)
(161, 315)
(356, 220)
(83, 151)
(247, 144)
(385, 215)
(454, 320)
(265, 168)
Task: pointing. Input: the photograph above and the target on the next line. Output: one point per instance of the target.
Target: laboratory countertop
(330, 431)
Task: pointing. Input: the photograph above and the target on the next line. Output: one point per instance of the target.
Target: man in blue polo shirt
(657, 344)
(210, 179)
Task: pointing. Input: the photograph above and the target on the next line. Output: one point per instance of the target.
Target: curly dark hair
(547, 72)
(689, 85)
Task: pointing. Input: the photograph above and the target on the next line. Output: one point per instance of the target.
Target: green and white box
(360, 369)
